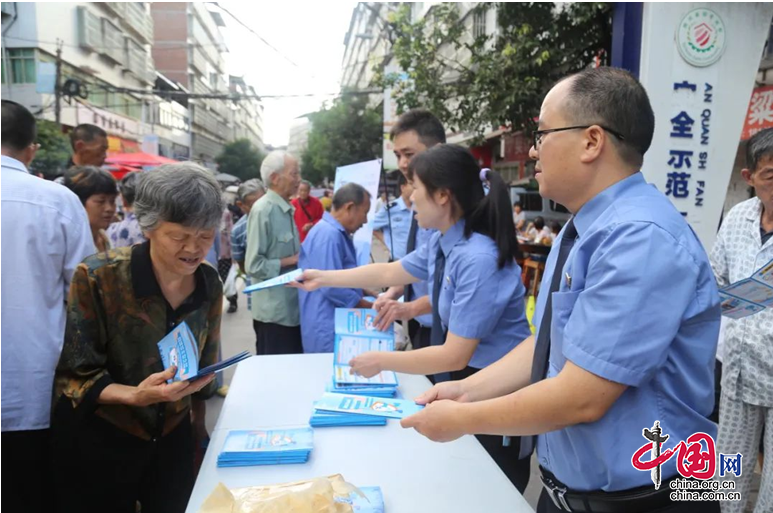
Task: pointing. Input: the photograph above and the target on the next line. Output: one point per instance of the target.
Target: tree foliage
(346, 133)
(241, 159)
(474, 83)
(54, 151)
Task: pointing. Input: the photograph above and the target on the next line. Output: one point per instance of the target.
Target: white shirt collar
(12, 163)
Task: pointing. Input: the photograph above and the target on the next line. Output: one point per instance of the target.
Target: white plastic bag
(229, 287)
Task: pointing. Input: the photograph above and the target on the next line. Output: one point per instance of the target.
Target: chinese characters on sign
(760, 114)
(689, 136)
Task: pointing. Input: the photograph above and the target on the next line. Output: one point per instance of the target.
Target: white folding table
(414, 473)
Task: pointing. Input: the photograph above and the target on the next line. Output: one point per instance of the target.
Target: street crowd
(95, 272)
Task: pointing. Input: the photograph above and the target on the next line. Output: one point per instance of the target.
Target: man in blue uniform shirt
(392, 224)
(628, 319)
(416, 131)
(329, 246)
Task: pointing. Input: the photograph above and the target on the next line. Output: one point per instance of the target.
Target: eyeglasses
(536, 136)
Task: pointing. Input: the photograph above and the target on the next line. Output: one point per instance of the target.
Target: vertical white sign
(698, 64)
(366, 174)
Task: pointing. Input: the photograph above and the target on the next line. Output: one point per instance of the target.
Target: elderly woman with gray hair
(123, 434)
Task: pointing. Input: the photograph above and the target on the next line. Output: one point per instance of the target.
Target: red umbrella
(138, 159)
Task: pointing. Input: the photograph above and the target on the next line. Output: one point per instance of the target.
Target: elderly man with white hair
(273, 245)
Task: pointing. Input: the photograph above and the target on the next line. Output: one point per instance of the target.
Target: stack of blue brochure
(179, 348)
(266, 447)
(334, 418)
(367, 406)
(354, 335)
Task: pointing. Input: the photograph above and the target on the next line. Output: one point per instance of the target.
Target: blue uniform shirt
(637, 305)
(478, 300)
(327, 247)
(396, 236)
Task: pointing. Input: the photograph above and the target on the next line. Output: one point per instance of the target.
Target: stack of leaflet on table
(335, 419)
(372, 502)
(750, 295)
(266, 447)
(179, 348)
(354, 335)
(367, 406)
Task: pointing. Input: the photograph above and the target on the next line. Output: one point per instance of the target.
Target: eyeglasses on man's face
(536, 136)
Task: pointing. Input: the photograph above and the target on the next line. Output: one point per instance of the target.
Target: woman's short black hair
(86, 181)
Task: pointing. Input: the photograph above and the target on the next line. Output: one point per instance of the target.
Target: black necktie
(539, 365)
(408, 249)
(438, 335)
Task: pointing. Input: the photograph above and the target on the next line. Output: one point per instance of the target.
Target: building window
(479, 23)
(112, 41)
(22, 65)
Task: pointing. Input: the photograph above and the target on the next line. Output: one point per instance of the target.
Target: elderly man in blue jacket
(329, 246)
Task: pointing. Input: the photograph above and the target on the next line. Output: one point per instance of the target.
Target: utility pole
(58, 84)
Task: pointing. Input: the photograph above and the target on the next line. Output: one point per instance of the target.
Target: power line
(240, 22)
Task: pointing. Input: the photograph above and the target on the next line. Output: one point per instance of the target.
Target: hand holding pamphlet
(179, 348)
(748, 296)
(355, 334)
(282, 279)
(362, 405)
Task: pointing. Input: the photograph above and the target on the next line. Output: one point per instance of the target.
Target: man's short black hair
(757, 148)
(614, 98)
(19, 126)
(428, 127)
(85, 133)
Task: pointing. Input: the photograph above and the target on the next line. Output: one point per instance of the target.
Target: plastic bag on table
(314, 496)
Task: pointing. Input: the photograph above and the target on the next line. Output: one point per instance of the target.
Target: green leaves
(346, 133)
(500, 80)
(54, 151)
(241, 159)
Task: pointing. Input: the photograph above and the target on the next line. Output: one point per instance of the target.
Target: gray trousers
(740, 428)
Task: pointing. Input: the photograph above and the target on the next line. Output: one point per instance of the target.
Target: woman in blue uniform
(476, 291)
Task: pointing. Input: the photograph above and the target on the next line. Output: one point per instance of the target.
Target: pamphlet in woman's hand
(179, 348)
(282, 279)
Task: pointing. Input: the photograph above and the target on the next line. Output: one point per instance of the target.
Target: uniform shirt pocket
(563, 304)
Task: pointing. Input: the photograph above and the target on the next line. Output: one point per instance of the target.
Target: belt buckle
(557, 493)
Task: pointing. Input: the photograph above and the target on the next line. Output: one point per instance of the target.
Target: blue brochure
(179, 348)
(373, 502)
(354, 335)
(362, 405)
(282, 279)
